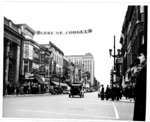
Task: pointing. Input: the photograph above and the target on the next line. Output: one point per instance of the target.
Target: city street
(63, 107)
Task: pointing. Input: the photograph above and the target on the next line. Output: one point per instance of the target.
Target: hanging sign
(85, 31)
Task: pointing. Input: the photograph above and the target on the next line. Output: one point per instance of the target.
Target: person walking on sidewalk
(108, 92)
(102, 93)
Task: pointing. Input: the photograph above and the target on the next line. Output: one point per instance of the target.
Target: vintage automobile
(76, 89)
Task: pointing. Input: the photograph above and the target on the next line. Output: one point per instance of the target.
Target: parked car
(76, 89)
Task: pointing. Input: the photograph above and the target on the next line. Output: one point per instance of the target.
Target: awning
(61, 84)
(28, 76)
(40, 79)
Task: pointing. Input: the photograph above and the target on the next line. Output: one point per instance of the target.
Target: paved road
(63, 107)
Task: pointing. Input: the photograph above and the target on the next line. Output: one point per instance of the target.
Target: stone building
(28, 51)
(85, 63)
(12, 55)
(56, 61)
(133, 39)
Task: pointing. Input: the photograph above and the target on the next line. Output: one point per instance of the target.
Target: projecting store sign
(119, 60)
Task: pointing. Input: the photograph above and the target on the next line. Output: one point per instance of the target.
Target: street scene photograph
(74, 61)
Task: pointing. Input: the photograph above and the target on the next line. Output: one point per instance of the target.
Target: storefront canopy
(61, 84)
(40, 79)
(29, 76)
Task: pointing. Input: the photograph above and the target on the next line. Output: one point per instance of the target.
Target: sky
(105, 19)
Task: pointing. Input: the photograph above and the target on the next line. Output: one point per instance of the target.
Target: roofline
(27, 27)
(53, 45)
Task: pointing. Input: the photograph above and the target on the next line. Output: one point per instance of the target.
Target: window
(141, 9)
(25, 68)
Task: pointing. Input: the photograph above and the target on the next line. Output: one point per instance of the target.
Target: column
(22, 58)
(6, 64)
(17, 65)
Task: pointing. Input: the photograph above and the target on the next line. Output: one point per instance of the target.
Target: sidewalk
(126, 100)
(29, 95)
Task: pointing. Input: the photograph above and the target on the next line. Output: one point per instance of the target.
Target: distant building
(56, 61)
(85, 62)
(66, 70)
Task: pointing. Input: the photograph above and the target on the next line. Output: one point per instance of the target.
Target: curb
(31, 95)
(129, 101)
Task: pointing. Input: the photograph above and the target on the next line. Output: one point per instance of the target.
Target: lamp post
(114, 56)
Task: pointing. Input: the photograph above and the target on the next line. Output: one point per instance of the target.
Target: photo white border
(126, 2)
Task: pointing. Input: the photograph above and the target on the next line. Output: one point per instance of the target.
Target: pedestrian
(8, 89)
(17, 90)
(107, 92)
(120, 92)
(29, 85)
(102, 93)
(113, 92)
(140, 94)
(39, 88)
(117, 92)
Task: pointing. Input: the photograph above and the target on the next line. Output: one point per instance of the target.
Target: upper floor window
(141, 9)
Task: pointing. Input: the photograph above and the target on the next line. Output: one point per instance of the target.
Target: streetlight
(114, 56)
(110, 52)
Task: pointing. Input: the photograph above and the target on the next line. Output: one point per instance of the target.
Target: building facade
(27, 63)
(85, 63)
(132, 39)
(12, 55)
(28, 47)
(56, 61)
(35, 63)
(66, 70)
